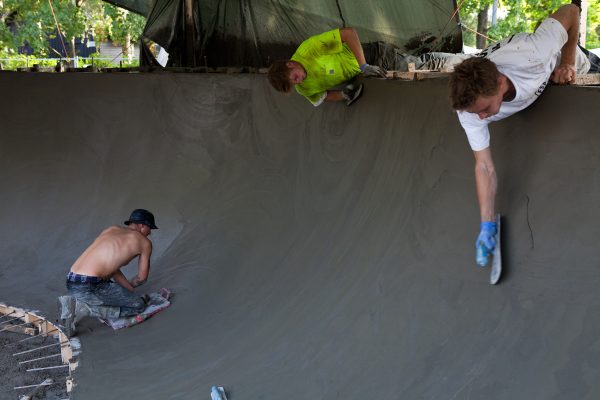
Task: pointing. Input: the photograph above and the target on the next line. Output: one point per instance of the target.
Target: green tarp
(256, 32)
(142, 7)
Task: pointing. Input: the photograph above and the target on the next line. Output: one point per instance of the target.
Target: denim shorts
(95, 291)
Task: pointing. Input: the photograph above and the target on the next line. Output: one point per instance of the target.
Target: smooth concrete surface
(314, 253)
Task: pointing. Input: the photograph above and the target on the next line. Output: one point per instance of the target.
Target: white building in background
(109, 50)
(470, 50)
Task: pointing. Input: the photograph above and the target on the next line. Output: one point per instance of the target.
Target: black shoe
(352, 92)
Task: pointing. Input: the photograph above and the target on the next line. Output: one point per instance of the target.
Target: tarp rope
(475, 32)
(461, 25)
(60, 35)
(337, 2)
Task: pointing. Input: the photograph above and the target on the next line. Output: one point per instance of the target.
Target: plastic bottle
(215, 394)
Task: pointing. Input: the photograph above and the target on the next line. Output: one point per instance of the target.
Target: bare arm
(350, 37)
(120, 278)
(143, 264)
(568, 16)
(485, 178)
(334, 95)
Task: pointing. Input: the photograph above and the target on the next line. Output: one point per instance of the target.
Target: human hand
(372, 71)
(486, 241)
(564, 74)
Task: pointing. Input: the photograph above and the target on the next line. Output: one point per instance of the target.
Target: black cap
(141, 216)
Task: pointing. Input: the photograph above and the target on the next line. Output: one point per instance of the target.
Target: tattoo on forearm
(136, 281)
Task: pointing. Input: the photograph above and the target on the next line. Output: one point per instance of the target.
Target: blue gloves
(486, 241)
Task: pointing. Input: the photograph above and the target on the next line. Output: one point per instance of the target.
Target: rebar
(36, 335)
(38, 348)
(47, 382)
(39, 358)
(10, 320)
(45, 368)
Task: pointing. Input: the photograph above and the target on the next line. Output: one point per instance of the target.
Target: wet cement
(314, 253)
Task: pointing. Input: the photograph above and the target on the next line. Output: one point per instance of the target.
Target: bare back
(114, 248)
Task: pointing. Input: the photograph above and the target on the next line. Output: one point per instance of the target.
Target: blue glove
(486, 241)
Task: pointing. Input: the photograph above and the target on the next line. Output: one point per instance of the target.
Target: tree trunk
(583, 22)
(126, 46)
(482, 27)
(494, 12)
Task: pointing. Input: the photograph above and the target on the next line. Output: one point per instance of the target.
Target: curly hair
(474, 77)
(279, 76)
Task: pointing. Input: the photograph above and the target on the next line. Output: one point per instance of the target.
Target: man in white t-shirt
(504, 79)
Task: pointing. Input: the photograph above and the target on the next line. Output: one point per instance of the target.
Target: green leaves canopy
(524, 16)
(34, 23)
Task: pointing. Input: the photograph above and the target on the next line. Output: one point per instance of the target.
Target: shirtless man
(96, 285)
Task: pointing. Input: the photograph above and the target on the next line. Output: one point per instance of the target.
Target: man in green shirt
(323, 62)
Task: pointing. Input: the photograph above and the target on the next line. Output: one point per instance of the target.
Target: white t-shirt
(528, 61)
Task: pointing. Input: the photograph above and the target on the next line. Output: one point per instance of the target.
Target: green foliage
(593, 26)
(468, 16)
(125, 26)
(11, 60)
(525, 16)
(96, 60)
(35, 23)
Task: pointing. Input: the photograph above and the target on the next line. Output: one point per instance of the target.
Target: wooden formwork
(45, 328)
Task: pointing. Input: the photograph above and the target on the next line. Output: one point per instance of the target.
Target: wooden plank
(402, 75)
(417, 75)
(587, 80)
(70, 384)
(34, 392)
(4, 309)
(19, 329)
(430, 74)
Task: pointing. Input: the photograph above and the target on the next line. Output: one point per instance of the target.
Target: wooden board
(587, 80)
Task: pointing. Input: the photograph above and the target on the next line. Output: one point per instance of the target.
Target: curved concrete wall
(313, 253)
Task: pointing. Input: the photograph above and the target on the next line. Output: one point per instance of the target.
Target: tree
(474, 15)
(482, 26)
(32, 22)
(126, 27)
(523, 16)
(593, 25)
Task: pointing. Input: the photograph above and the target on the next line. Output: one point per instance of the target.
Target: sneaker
(352, 92)
(66, 309)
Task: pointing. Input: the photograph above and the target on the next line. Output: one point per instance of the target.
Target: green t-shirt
(328, 62)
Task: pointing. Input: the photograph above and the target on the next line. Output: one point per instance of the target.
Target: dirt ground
(15, 374)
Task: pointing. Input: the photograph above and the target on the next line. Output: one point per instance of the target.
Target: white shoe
(352, 92)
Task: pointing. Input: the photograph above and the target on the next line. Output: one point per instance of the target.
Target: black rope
(337, 2)
(529, 225)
